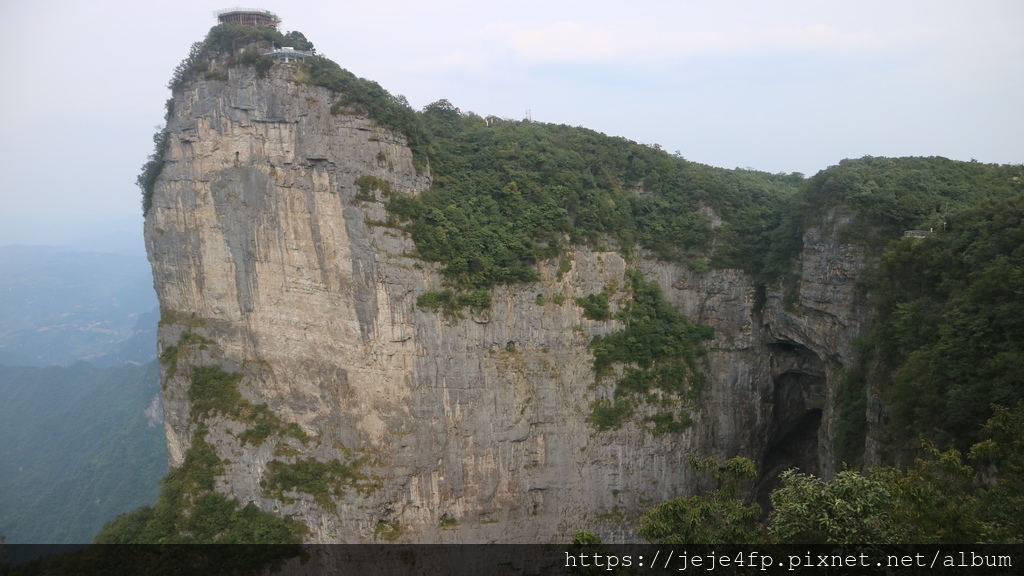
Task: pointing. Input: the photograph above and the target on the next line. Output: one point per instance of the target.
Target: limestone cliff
(272, 263)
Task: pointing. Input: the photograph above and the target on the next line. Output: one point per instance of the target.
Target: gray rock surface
(475, 427)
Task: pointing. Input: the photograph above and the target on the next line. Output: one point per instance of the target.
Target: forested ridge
(946, 344)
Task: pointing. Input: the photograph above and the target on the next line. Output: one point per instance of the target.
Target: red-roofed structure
(248, 17)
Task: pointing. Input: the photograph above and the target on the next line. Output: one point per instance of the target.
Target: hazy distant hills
(81, 429)
(78, 446)
(58, 306)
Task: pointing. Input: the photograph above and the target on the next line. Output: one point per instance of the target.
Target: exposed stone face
(475, 427)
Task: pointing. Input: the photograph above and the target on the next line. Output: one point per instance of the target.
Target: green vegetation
(897, 194)
(173, 353)
(564, 266)
(77, 449)
(451, 303)
(188, 511)
(237, 42)
(321, 480)
(666, 423)
(947, 341)
(146, 179)
(940, 498)
(215, 391)
(360, 96)
(168, 317)
(595, 306)
(257, 60)
(851, 509)
(608, 414)
(367, 184)
(509, 194)
(658, 349)
(389, 531)
(719, 516)
(448, 522)
(298, 40)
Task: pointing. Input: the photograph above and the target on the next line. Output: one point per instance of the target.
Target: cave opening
(797, 401)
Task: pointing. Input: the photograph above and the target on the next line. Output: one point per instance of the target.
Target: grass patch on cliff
(214, 391)
(450, 302)
(322, 480)
(658, 351)
(169, 317)
(175, 352)
(367, 184)
(597, 306)
(391, 531)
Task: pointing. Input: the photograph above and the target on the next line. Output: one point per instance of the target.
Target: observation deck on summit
(288, 54)
(248, 17)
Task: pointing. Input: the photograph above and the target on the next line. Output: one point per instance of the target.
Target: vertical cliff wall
(270, 262)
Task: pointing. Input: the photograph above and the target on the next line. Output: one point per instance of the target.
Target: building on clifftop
(248, 17)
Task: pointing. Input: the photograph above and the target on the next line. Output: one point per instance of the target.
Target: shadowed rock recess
(274, 267)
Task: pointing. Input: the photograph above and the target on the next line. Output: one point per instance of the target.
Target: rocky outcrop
(275, 265)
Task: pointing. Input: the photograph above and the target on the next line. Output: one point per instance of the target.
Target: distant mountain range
(81, 426)
(58, 306)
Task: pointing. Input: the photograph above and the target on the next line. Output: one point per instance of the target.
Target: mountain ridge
(395, 363)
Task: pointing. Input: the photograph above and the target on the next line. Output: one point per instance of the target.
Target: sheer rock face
(468, 429)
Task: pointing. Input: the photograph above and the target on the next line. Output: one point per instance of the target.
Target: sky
(784, 86)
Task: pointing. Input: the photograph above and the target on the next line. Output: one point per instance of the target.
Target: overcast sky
(791, 86)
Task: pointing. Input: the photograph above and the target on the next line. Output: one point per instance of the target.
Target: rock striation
(276, 265)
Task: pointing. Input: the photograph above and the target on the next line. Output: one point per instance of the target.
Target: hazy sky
(777, 86)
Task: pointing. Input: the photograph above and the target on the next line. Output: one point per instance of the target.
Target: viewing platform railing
(288, 54)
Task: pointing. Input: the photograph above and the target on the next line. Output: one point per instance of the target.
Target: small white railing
(289, 54)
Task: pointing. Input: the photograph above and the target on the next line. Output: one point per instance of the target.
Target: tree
(1001, 458)
(297, 40)
(719, 516)
(851, 509)
(934, 501)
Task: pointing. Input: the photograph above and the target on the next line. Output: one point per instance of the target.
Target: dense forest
(943, 354)
(77, 448)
